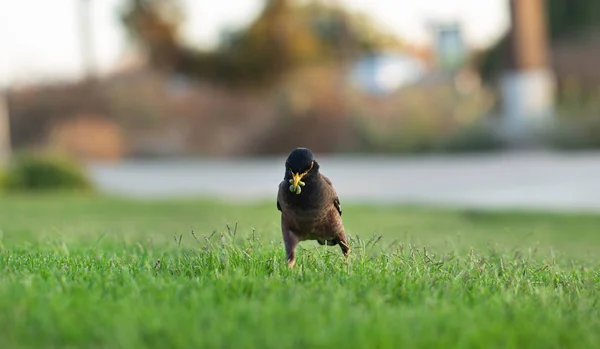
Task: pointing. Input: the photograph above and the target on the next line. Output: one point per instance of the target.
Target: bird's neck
(310, 194)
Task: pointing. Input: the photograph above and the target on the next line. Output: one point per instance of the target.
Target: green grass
(108, 273)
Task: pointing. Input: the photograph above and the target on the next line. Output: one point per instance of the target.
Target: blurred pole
(527, 85)
(5, 147)
(86, 38)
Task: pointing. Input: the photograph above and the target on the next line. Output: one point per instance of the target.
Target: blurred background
(471, 102)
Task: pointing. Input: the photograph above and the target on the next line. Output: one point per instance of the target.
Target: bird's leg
(344, 245)
(291, 241)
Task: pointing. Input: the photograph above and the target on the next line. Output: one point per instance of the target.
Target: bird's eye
(312, 163)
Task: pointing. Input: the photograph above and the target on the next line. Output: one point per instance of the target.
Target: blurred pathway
(568, 181)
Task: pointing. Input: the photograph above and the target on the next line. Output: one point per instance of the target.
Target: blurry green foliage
(572, 18)
(42, 172)
(583, 133)
(2, 180)
(577, 118)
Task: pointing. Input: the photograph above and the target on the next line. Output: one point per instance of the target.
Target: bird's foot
(345, 248)
(291, 263)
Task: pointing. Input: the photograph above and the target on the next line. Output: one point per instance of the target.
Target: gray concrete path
(538, 180)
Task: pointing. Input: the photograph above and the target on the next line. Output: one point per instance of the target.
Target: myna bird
(310, 207)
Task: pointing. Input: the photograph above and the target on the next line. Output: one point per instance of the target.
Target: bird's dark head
(300, 164)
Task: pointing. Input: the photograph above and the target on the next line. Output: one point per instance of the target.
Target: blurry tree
(154, 25)
(264, 50)
(284, 35)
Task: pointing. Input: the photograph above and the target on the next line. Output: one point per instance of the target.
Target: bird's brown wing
(279, 196)
(336, 199)
(338, 205)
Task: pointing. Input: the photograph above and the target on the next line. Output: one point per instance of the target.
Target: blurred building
(450, 49)
(386, 72)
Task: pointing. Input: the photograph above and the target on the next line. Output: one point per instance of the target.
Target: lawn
(110, 273)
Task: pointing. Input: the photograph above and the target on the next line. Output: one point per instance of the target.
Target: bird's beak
(296, 179)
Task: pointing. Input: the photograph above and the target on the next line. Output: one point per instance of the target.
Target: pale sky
(39, 38)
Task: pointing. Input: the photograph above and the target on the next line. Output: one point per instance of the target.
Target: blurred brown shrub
(311, 110)
(88, 137)
(423, 117)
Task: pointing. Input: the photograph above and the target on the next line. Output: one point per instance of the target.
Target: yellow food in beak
(296, 182)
